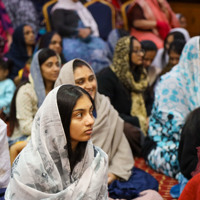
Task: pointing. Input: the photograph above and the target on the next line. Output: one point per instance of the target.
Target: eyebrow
(79, 78)
(80, 109)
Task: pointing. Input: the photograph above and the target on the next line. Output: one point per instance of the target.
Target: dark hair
(149, 45)
(67, 97)
(135, 69)
(177, 46)
(6, 64)
(78, 63)
(44, 54)
(45, 39)
(13, 122)
(190, 131)
(177, 36)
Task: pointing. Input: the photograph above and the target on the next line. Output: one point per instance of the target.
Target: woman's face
(56, 44)
(148, 58)
(29, 35)
(173, 58)
(137, 53)
(50, 69)
(85, 79)
(82, 121)
(183, 22)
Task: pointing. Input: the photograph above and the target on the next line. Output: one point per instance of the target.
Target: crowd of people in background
(76, 109)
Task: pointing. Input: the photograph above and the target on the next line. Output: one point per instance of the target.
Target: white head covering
(4, 155)
(107, 130)
(82, 12)
(42, 169)
(183, 31)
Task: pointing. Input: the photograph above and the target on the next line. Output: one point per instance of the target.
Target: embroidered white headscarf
(82, 12)
(108, 128)
(42, 169)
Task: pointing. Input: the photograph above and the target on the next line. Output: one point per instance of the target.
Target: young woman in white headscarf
(60, 161)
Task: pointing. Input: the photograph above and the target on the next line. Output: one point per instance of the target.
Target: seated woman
(177, 94)
(174, 52)
(189, 147)
(51, 40)
(28, 97)
(108, 127)
(151, 19)
(5, 159)
(192, 189)
(6, 30)
(125, 81)
(21, 49)
(80, 34)
(162, 57)
(60, 161)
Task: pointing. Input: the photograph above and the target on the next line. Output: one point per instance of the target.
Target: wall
(191, 11)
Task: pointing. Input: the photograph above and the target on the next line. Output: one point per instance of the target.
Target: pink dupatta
(152, 11)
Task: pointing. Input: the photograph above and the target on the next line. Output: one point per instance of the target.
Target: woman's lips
(89, 131)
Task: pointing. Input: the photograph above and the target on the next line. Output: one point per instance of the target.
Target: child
(7, 87)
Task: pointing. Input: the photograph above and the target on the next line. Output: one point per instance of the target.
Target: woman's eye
(79, 82)
(58, 64)
(79, 115)
(91, 78)
(49, 64)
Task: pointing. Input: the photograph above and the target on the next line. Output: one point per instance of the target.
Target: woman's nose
(87, 85)
(89, 120)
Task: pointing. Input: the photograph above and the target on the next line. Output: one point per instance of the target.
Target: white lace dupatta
(42, 170)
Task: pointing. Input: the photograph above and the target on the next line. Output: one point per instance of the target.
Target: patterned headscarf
(177, 94)
(121, 67)
(42, 169)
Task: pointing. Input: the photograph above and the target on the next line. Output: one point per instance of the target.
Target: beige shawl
(108, 129)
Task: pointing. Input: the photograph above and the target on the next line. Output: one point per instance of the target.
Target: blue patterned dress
(176, 95)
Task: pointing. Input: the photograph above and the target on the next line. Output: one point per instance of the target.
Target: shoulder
(99, 151)
(9, 82)
(107, 74)
(26, 90)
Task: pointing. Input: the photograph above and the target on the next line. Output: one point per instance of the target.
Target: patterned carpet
(165, 182)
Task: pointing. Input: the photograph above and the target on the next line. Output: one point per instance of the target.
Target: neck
(29, 50)
(48, 86)
(74, 145)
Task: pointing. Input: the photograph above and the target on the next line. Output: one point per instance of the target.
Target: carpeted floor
(165, 182)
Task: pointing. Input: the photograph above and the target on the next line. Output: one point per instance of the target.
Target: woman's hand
(84, 32)
(111, 178)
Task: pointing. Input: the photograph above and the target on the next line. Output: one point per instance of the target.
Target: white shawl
(82, 12)
(108, 128)
(4, 155)
(42, 169)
